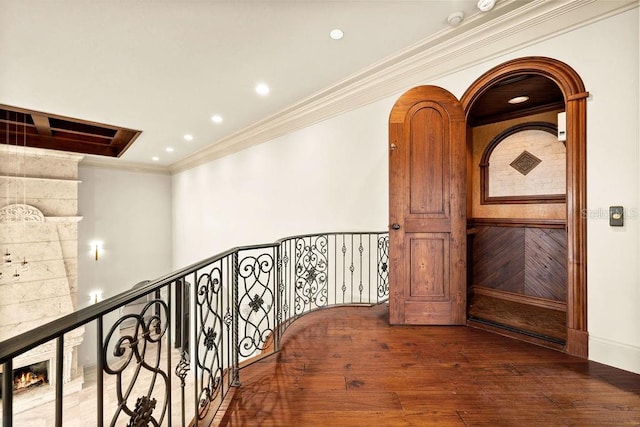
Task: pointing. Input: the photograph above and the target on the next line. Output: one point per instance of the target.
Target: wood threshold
(522, 299)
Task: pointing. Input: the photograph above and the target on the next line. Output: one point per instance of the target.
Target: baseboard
(616, 354)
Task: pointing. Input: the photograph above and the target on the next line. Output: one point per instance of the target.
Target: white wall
(333, 176)
(131, 213)
(328, 177)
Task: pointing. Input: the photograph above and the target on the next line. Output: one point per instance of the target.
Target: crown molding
(119, 164)
(477, 40)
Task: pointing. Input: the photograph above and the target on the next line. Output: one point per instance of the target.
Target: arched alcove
(574, 94)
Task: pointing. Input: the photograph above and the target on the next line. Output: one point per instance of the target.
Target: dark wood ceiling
(493, 106)
(22, 127)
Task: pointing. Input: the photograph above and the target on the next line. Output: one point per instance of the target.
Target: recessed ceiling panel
(493, 106)
(21, 127)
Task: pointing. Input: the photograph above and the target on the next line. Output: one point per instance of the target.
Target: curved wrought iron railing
(169, 350)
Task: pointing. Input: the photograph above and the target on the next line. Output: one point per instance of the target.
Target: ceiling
(542, 94)
(165, 67)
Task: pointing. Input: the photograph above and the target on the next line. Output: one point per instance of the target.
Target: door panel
(428, 152)
(429, 272)
(427, 195)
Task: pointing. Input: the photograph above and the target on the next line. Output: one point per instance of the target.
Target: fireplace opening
(29, 377)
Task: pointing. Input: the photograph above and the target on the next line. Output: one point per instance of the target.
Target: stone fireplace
(38, 261)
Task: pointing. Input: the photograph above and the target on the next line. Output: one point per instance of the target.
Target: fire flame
(27, 379)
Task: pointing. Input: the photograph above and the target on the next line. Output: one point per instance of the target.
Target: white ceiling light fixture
(155, 158)
(455, 18)
(336, 34)
(486, 5)
(518, 99)
(188, 137)
(169, 149)
(262, 89)
(217, 119)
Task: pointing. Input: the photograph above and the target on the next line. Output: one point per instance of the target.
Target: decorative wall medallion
(20, 213)
(525, 162)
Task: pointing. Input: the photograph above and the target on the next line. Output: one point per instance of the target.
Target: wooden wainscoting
(518, 277)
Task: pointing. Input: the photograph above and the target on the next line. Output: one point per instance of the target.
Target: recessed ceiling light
(188, 137)
(336, 34)
(216, 119)
(486, 5)
(155, 158)
(262, 89)
(518, 100)
(169, 149)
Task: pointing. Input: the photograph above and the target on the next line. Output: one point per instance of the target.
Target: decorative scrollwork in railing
(221, 313)
(209, 341)
(256, 301)
(283, 266)
(136, 343)
(383, 266)
(311, 272)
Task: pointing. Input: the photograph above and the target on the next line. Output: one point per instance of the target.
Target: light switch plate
(616, 216)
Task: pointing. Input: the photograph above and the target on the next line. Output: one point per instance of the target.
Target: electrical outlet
(616, 216)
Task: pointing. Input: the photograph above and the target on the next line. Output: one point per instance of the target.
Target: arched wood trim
(575, 98)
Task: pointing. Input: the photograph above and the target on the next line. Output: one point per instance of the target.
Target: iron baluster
(194, 344)
(169, 341)
(7, 393)
(344, 271)
(99, 372)
(59, 385)
(360, 250)
(235, 319)
(182, 370)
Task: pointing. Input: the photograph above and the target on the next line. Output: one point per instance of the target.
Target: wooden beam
(42, 124)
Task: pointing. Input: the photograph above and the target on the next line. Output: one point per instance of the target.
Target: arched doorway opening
(429, 163)
(519, 73)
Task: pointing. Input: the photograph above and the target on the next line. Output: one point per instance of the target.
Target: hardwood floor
(348, 367)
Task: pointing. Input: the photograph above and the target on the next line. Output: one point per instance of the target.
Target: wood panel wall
(526, 258)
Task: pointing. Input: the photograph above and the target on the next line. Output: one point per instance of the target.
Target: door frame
(575, 97)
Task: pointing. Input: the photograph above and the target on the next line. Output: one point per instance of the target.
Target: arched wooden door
(427, 211)
(427, 197)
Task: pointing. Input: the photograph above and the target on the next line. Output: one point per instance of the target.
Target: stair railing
(170, 350)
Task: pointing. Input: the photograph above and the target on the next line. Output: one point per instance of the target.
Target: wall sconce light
(95, 297)
(96, 248)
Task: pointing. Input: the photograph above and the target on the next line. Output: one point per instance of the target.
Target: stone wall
(39, 247)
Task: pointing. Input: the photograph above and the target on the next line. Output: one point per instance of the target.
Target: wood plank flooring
(348, 367)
